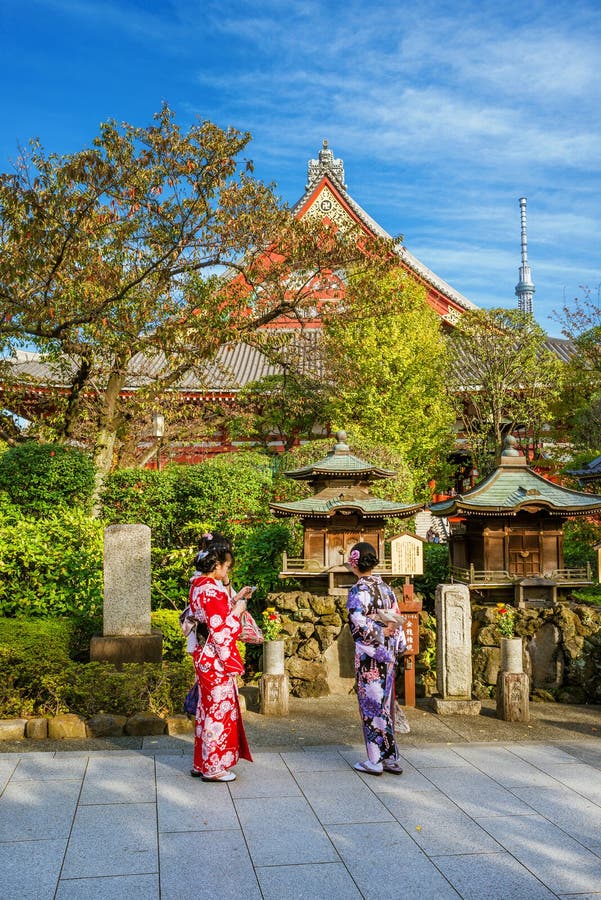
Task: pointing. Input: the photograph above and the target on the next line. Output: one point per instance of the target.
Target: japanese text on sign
(407, 555)
(411, 629)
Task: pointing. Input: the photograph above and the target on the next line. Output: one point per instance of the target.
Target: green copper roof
(339, 462)
(513, 486)
(320, 506)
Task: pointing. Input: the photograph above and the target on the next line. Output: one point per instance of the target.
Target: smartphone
(253, 588)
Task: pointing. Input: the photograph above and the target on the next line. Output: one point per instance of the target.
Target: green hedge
(39, 677)
(38, 478)
(51, 566)
(179, 503)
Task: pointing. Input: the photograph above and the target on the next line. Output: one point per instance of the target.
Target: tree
(130, 263)
(505, 378)
(580, 407)
(385, 356)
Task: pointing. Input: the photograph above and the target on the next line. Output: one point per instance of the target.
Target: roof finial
(325, 164)
(524, 289)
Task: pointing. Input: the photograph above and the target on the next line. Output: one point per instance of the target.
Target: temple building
(506, 539)
(341, 512)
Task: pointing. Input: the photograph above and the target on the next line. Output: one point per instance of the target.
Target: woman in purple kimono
(376, 626)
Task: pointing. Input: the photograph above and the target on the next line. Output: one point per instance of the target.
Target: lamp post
(158, 430)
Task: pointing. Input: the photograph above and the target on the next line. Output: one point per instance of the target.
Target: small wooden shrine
(507, 533)
(341, 512)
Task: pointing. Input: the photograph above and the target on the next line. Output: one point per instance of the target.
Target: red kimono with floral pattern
(219, 738)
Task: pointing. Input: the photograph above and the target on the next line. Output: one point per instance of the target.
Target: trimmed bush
(51, 567)
(38, 478)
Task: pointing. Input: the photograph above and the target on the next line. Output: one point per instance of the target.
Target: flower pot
(273, 658)
(511, 655)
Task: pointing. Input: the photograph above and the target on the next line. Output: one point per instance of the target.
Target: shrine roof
(339, 462)
(512, 487)
(369, 507)
(233, 368)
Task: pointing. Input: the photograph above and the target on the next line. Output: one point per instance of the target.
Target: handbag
(251, 633)
(191, 700)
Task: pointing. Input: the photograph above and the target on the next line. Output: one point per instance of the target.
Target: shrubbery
(39, 478)
(38, 677)
(50, 566)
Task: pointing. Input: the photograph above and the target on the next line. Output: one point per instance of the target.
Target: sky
(444, 114)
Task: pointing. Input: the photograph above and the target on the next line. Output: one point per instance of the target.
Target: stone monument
(126, 633)
(273, 686)
(454, 652)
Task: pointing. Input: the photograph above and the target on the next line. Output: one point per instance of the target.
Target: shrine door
(524, 554)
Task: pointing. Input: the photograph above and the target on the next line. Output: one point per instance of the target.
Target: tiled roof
(513, 486)
(371, 506)
(591, 469)
(341, 464)
(234, 367)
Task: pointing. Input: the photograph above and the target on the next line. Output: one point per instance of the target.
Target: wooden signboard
(407, 554)
(410, 609)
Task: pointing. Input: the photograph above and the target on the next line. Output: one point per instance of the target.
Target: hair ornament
(201, 554)
(207, 536)
(353, 557)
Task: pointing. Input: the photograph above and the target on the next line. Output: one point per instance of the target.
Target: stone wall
(311, 625)
(562, 651)
(320, 649)
(562, 648)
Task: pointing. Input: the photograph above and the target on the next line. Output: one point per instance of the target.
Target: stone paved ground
(483, 810)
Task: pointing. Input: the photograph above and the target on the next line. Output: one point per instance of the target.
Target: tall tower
(524, 289)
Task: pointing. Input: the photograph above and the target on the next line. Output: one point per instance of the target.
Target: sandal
(369, 767)
(394, 767)
(224, 776)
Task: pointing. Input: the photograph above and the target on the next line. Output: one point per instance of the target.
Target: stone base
(127, 648)
(12, 729)
(449, 707)
(273, 695)
(512, 697)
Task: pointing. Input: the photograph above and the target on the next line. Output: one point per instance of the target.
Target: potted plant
(511, 646)
(273, 647)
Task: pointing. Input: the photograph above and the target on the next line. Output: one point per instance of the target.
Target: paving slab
(209, 864)
(561, 863)
(30, 869)
(492, 876)
(283, 831)
(115, 839)
(324, 881)
(386, 864)
(37, 810)
(438, 825)
(125, 887)
(341, 797)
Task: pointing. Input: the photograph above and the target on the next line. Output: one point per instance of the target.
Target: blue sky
(444, 113)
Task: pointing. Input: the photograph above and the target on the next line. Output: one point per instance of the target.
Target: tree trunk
(109, 420)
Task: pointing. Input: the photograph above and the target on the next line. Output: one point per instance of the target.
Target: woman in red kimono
(219, 738)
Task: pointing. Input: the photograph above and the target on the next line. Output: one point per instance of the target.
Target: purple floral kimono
(375, 662)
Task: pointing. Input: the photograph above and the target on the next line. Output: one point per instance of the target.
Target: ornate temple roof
(341, 466)
(513, 487)
(326, 194)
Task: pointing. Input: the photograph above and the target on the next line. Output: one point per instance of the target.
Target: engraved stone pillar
(127, 635)
(454, 651)
(512, 697)
(273, 687)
